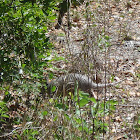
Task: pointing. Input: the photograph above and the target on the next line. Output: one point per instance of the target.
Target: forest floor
(121, 23)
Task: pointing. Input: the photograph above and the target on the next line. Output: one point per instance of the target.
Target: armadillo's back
(67, 83)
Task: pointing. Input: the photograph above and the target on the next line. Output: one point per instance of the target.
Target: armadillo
(66, 83)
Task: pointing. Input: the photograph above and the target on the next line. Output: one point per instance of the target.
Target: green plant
(3, 115)
(23, 42)
(24, 50)
(85, 118)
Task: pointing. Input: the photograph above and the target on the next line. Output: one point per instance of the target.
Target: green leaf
(107, 37)
(55, 118)
(83, 102)
(67, 117)
(78, 120)
(112, 102)
(44, 113)
(53, 89)
(93, 99)
(5, 116)
(2, 103)
(35, 132)
(51, 100)
(80, 128)
(112, 78)
(139, 121)
(83, 94)
(52, 17)
(23, 65)
(62, 106)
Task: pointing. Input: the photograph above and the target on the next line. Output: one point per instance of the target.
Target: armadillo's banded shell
(67, 83)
